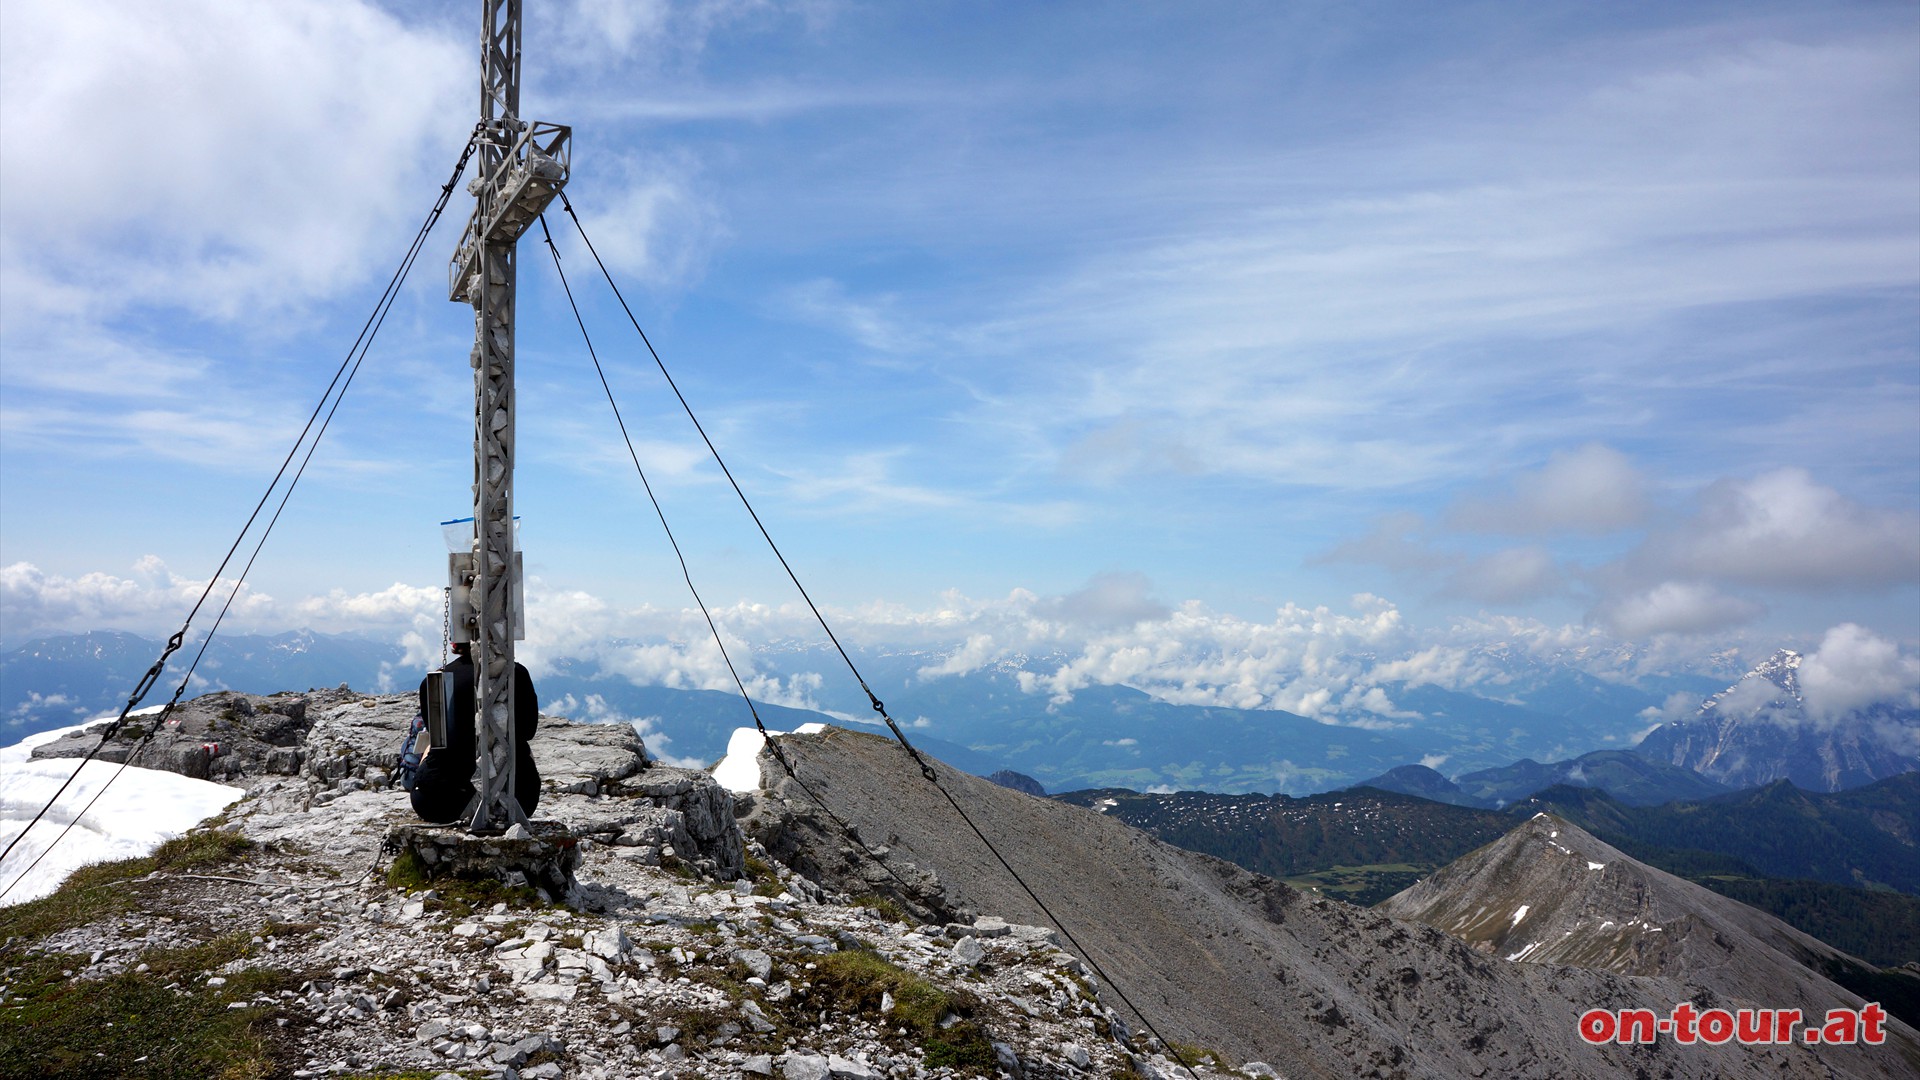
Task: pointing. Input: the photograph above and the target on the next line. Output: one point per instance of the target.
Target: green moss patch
(459, 896)
(857, 980)
(884, 907)
(133, 1025)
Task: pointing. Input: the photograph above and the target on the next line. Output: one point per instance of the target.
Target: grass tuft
(133, 1025)
(200, 849)
(459, 896)
(856, 979)
(90, 893)
(884, 907)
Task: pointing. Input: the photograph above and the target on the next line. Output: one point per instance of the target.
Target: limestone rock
(805, 1067)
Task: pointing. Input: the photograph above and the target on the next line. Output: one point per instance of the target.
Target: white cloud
(1592, 489)
(651, 646)
(595, 710)
(1111, 452)
(1337, 667)
(1450, 667)
(1680, 705)
(1854, 668)
(1783, 530)
(1109, 600)
(214, 155)
(976, 652)
(1340, 667)
(869, 321)
(661, 34)
(1397, 541)
(1690, 574)
(1755, 697)
(153, 600)
(1513, 576)
(1676, 607)
(599, 31)
(1301, 661)
(1404, 543)
(868, 481)
(1374, 700)
(416, 613)
(217, 165)
(397, 603)
(1269, 330)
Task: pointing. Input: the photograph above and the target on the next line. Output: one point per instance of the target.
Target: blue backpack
(407, 773)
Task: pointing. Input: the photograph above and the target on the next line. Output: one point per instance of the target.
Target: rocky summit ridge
(680, 952)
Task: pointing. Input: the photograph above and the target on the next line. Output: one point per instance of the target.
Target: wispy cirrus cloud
(1419, 308)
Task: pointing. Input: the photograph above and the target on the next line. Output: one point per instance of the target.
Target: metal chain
(446, 622)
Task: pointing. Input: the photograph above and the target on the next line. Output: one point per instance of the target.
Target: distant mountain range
(56, 681)
(1239, 962)
(1759, 730)
(1361, 845)
(1627, 776)
(1525, 709)
(1753, 732)
(1868, 837)
(1843, 866)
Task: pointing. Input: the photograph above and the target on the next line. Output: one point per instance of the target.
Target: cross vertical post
(522, 167)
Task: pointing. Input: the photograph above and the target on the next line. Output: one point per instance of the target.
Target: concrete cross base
(543, 857)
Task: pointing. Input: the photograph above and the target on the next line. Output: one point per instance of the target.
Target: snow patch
(1518, 915)
(739, 770)
(1596, 866)
(143, 809)
(1522, 954)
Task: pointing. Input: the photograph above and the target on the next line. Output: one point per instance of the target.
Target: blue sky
(1021, 322)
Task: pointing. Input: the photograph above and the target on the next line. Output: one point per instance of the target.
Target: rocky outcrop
(216, 737)
(302, 751)
(1020, 782)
